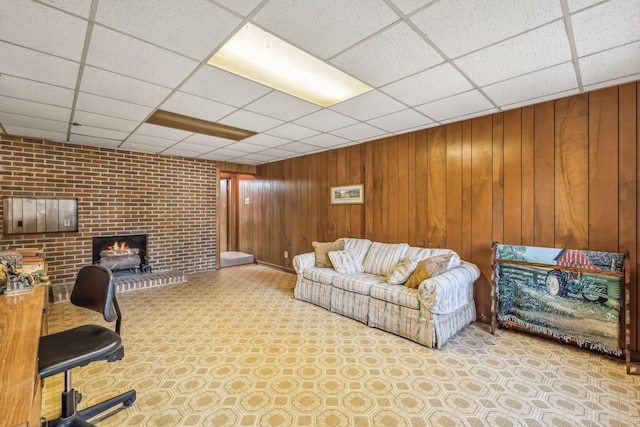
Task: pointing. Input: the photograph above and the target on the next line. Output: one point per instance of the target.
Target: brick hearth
(125, 283)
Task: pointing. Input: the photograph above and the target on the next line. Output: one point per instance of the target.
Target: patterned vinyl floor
(233, 348)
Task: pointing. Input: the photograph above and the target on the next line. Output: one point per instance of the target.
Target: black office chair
(62, 351)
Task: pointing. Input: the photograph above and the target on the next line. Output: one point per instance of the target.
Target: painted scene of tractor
(569, 294)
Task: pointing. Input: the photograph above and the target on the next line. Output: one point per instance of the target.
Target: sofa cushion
(322, 249)
(358, 247)
(399, 295)
(424, 253)
(402, 270)
(428, 268)
(321, 275)
(382, 257)
(359, 283)
(345, 262)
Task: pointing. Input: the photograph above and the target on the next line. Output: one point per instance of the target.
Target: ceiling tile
(190, 148)
(183, 26)
(243, 7)
(34, 109)
(325, 120)
(401, 120)
(575, 5)
(220, 86)
(250, 121)
(410, 6)
(99, 132)
(461, 26)
(325, 28)
(257, 157)
(213, 156)
(59, 33)
(540, 83)
(93, 141)
(104, 122)
(607, 25)
(266, 140)
(292, 131)
(608, 83)
(358, 132)
(194, 106)
(228, 152)
(163, 132)
(244, 160)
(150, 140)
(77, 7)
(111, 107)
(136, 146)
(537, 100)
(245, 147)
(115, 86)
(529, 52)
(35, 91)
(29, 64)
(36, 133)
(277, 153)
(456, 106)
(439, 82)
(33, 123)
(325, 140)
(299, 147)
(282, 106)
(209, 141)
(179, 152)
(368, 106)
(470, 116)
(131, 57)
(611, 64)
(405, 53)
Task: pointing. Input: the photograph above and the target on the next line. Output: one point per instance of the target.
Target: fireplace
(122, 253)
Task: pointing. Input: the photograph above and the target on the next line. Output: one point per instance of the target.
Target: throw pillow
(322, 249)
(402, 270)
(345, 262)
(427, 268)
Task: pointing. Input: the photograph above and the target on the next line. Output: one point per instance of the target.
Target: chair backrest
(94, 289)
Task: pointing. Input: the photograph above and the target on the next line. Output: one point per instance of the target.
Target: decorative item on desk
(14, 281)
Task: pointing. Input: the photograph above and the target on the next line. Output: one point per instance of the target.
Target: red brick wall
(171, 199)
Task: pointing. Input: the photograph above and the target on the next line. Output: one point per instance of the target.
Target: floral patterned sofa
(381, 285)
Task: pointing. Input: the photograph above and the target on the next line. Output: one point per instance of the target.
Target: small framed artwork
(348, 194)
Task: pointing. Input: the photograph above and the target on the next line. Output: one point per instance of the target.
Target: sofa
(378, 284)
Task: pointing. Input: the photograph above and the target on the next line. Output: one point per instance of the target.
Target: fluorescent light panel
(260, 56)
(191, 124)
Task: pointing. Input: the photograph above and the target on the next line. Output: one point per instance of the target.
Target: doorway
(229, 212)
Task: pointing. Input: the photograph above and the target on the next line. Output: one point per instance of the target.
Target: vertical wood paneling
(436, 188)
(513, 177)
(421, 189)
(454, 187)
(544, 177)
(467, 191)
(603, 170)
(572, 172)
(562, 173)
(527, 162)
(628, 184)
(498, 178)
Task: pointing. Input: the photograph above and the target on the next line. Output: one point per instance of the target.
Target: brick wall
(171, 199)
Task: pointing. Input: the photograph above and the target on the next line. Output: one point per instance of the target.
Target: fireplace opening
(122, 253)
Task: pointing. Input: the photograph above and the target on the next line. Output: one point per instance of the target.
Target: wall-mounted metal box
(24, 215)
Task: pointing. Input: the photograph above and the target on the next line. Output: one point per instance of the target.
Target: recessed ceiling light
(260, 56)
(191, 124)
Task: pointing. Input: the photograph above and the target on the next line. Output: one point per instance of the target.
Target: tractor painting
(593, 287)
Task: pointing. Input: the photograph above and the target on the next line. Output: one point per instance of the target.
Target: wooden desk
(20, 328)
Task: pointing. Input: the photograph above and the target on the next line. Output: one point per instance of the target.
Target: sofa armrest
(304, 261)
(450, 290)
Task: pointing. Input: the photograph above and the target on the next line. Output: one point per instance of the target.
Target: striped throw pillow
(402, 270)
(345, 262)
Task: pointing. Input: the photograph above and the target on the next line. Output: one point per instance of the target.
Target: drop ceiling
(108, 65)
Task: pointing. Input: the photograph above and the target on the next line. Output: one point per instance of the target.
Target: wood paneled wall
(562, 173)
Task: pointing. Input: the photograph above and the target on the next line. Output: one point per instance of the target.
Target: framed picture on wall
(348, 194)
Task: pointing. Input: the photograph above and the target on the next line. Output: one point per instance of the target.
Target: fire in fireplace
(122, 252)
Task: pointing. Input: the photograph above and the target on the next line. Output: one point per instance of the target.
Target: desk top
(20, 323)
